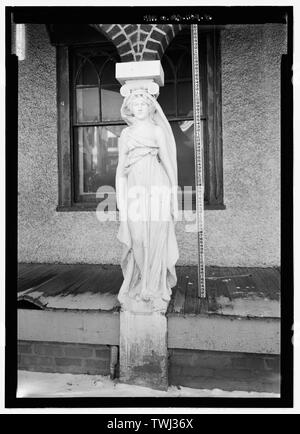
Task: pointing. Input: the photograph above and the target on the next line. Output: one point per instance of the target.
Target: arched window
(96, 120)
(89, 122)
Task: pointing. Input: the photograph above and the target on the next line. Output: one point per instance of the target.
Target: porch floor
(237, 291)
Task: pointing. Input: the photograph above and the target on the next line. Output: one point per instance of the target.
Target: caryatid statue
(146, 185)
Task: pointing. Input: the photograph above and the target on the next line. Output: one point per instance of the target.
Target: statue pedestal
(143, 347)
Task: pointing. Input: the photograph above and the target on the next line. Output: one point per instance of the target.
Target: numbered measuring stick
(198, 149)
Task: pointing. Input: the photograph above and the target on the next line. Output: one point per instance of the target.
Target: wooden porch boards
(230, 290)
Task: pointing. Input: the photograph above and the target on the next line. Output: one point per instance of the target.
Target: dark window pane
(97, 149)
(167, 99)
(111, 101)
(87, 104)
(185, 67)
(175, 53)
(185, 98)
(99, 60)
(184, 136)
(108, 73)
(87, 74)
(168, 68)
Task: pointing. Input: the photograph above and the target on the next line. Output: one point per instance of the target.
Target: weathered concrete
(224, 333)
(209, 332)
(62, 325)
(143, 349)
(246, 233)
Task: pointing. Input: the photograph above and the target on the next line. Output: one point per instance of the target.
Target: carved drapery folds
(136, 42)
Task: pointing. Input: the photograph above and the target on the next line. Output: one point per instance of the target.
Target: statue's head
(138, 105)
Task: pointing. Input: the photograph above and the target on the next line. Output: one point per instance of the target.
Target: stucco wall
(246, 233)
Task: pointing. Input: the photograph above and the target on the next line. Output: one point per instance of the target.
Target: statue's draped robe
(150, 249)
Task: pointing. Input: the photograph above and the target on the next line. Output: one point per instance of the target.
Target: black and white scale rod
(198, 149)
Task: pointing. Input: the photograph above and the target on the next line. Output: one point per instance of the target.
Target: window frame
(212, 128)
(87, 198)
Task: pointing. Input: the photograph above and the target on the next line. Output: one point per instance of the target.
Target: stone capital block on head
(143, 70)
(148, 75)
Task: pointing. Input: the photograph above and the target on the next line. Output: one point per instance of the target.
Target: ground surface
(40, 384)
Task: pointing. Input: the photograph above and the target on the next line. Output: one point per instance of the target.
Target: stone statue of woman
(146, 186)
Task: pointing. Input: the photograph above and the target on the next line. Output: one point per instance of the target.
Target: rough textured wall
(251, 59)
(246, 233)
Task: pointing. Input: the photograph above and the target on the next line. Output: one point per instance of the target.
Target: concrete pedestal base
(143, 349)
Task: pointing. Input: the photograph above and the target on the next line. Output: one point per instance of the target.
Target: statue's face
(140, 109)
